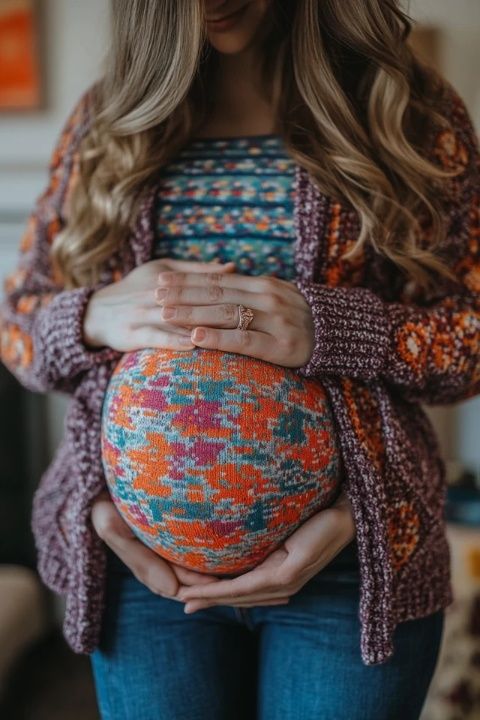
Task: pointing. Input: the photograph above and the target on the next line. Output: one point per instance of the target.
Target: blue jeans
(299, 661)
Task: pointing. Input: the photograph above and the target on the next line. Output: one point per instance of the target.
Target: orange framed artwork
(20, 71)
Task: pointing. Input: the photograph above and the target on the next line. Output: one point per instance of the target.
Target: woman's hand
(125, 315)
(303, 554)
(281, 332)
(160, 576)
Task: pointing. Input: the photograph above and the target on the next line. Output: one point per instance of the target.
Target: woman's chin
(230, 43)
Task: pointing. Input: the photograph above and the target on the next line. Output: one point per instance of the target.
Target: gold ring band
(245, 317)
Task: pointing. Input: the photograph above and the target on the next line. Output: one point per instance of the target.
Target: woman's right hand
(159, 575)
(126, 316)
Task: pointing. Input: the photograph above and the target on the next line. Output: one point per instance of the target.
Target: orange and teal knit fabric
(214, 458)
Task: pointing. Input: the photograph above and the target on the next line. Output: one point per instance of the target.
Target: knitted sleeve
(429, 350)
(40, 322)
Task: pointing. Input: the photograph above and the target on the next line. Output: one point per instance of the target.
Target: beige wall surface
(459, 23)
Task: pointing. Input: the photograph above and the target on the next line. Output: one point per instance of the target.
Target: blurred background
(50, 51)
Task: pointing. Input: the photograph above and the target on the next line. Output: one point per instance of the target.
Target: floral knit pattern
(380, 351)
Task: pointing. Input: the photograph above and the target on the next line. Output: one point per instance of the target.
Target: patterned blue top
(229, 198)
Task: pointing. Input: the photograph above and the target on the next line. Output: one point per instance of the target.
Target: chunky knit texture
(214, 458)
(380, 348)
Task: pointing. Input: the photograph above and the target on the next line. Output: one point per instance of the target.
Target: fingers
(153, 337)
(164, 578)
(148, 567)
(272, 289)
(271, 305)
(262, 599)
(189, 316)
(256, 343)
(207, 295)
(266, 580)
(195, 266)
(106, 519)
(243, 342)
(239, 587)
(190, 577)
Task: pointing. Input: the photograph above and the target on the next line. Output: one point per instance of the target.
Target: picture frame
(21, 49)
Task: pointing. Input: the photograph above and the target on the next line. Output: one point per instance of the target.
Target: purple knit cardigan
(379, 349)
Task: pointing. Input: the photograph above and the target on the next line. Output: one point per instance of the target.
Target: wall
(76, 41)
(459, 21)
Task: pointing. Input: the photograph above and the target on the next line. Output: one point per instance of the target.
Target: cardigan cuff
(351, 330)
(58, 337)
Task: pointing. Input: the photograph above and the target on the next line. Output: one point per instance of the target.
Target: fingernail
(160, 293)
(199, 334)
(168, 312)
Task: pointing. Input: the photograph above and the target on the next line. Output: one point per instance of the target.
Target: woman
(372, 166)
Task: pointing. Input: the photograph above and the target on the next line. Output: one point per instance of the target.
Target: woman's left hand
(303, 554)
(281, 332)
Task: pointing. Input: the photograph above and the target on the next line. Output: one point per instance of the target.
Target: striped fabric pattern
(232, 199)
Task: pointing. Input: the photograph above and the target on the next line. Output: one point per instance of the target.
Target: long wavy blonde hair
(351, 100)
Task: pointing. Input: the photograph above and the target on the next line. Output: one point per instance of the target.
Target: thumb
(191, 577)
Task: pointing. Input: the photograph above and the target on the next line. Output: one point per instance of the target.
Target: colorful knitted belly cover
(214, 458)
